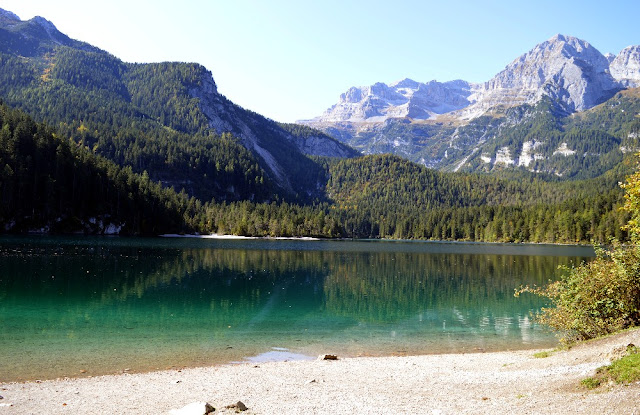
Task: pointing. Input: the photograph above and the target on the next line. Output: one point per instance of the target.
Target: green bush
(601, 296)
(590, 383)
(595, 298)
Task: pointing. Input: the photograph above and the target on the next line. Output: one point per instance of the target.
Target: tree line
(54, 183)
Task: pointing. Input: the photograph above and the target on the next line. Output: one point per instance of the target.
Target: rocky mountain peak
(45, 24)
(8, 17)
(565, 68)
(625, 67)
(406, 83)
(403, 99)
(565, 42)
(610, 57)
(568, 70)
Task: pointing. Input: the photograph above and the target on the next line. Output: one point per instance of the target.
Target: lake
(80, 306)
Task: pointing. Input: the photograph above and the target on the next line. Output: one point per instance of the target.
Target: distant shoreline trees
(56, 185)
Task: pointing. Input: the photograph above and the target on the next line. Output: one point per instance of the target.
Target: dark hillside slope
(165, 118)
(50, 184)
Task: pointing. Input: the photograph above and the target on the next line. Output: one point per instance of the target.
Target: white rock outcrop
(528, 155)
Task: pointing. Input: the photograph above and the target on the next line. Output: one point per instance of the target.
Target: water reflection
(66, 304)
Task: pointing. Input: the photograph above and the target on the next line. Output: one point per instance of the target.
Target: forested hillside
(164, 118)
(84, 96)
(385, 196)
(544, 139)
(50, 184)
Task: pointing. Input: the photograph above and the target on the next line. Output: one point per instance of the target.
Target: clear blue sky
(290, 60)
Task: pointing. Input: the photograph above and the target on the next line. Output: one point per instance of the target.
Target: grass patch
(624, 370)
(627, 368)
(542, 355)
(590, 383)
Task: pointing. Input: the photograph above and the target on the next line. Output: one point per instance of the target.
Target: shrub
(590, 383)
(542, 355)
(602, 296)
(595, 298)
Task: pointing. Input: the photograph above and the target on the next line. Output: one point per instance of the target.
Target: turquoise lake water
(89, 306)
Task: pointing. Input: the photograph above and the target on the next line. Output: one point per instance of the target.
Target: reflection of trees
(228, 286)
(384, 287)
(114, 274)
(237, 284)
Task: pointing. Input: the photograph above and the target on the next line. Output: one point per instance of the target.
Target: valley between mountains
(92, 144)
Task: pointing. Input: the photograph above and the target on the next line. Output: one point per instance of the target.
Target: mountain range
(89, 143)
(456, 125)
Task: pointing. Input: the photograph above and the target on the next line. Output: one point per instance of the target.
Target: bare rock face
(406, 98)
(263, 137)
(224, 116)
(320, 145)
(567, 69)
(625, 68)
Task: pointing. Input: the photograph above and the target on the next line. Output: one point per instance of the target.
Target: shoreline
(226, 236)
(267, 356)
(495, 382)
(309, 238)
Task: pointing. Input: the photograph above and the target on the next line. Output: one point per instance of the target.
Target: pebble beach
(476, 383)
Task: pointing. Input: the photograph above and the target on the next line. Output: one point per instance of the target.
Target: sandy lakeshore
(502, 382)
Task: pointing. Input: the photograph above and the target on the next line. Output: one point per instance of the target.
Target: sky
(291, 59)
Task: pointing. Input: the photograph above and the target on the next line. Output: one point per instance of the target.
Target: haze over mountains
(447, 124)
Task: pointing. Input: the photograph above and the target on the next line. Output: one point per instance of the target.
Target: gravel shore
(502, 382)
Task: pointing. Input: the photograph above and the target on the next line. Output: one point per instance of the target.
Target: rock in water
(195, 408)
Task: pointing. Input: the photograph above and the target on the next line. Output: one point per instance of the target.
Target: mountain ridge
(567, 72)
(165, 132)
(542, 70)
